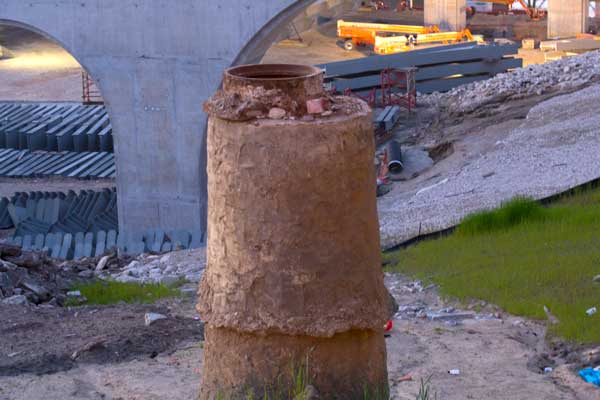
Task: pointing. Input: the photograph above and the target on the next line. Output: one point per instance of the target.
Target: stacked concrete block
(55, 127)
(44, 212)
(32, 164)
(77, 245)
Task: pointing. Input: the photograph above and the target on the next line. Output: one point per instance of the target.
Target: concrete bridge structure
(155, 62)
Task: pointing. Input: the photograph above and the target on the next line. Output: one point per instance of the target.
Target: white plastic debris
(591, 311)
(74, 293)
(454, 372)
(548, 370)
(151, 318)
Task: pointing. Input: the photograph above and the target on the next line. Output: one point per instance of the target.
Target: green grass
(521, 257)
(111, 292)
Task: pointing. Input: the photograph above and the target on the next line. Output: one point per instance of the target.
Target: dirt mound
(47, 340)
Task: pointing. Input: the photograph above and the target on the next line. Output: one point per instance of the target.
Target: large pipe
(293, 279)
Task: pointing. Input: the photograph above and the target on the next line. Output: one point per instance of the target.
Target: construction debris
(32, 278)
(558, 76)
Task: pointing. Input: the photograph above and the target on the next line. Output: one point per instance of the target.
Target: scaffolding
(91, 93)
(399, 87)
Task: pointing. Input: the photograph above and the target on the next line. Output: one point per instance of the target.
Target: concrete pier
(449, 15)
(567, 18)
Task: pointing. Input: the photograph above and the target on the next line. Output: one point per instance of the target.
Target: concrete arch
(155, 62)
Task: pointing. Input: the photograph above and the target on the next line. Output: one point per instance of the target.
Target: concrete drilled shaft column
(567, 18)
(293, 276)
(449, 15)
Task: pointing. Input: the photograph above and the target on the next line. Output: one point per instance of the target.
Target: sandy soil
(39, 70)
(498, 356)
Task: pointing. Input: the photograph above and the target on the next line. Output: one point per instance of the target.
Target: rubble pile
(558, 76)
(32, 278)
(167, 269)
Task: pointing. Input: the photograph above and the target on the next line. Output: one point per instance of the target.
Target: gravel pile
(554, 149)
(558, 76)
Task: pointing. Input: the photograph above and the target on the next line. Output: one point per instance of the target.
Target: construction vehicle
(362, 34)
(397, 44)
(535, 14)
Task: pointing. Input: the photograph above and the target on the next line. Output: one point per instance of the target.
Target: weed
(513, 213)
(111, 292)
(425, 391)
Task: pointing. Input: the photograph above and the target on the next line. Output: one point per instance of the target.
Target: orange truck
(363, 34)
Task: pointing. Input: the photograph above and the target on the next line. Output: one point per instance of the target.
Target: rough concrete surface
(552, 150)
(293, 256)
(265, 240)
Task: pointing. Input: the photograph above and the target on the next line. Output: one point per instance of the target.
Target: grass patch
(511, 214)
(522, 257)
(111, 292)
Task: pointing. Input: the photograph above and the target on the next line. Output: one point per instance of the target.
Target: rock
(32, 298)
(596, 279)
(457, 316)
(87, 274)
(102, 263)
(151, 318)
(74, 293)
(310, 393)
(189, 290)
(133, 265)
(170, 280)
(18, 300)
(41, 292)
(393, 306)
(5, 281)
(126, 279)
(194, 277)
(165, 259)
(277, 113)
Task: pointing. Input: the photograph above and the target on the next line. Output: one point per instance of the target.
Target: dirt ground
(38, 70)
(108, 353)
